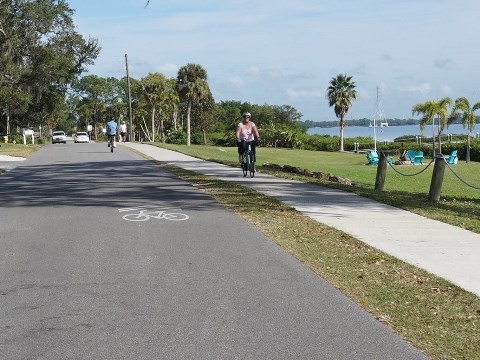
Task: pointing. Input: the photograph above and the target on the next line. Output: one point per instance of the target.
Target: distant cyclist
(247, 133)
(111, 132)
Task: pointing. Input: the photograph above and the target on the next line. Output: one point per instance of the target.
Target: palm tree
(462, 108)
(340, 94)
(429, 110)
(153, 86)
(193, 88)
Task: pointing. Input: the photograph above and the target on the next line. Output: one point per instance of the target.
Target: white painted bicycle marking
(144, 213)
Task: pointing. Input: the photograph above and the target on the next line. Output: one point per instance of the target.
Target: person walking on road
(246, 133)
(123, 131)
(111, 132)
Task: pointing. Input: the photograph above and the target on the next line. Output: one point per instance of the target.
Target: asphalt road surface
(108, 256)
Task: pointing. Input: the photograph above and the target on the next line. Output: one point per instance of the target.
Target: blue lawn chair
(418, 158)
(410, 156)
(452, 158)
(372, 157)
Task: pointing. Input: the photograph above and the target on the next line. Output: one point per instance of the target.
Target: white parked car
(81, 137)
(59, 137)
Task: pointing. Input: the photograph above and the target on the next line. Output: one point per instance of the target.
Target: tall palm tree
(193, 88)
(154, 90)
(462, 108)
(340, 94)
(429, 110)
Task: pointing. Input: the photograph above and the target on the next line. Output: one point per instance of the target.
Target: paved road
(78, 281)
(422, 242)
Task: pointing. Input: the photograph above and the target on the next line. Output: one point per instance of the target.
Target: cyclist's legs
(241, 150)
(252, 145)
(111, 140)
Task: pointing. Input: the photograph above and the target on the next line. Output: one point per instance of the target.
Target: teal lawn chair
(372, 157)
(452, 158)
(418, 158)
(410, 156)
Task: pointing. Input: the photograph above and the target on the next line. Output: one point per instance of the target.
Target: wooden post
(381, 171)
(437, 178)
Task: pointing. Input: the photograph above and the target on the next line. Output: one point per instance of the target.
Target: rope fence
(459, 178)
(427, 166)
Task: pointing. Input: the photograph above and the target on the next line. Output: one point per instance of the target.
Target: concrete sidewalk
(444, 250)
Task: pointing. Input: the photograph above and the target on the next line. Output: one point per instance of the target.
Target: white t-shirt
(123, 128)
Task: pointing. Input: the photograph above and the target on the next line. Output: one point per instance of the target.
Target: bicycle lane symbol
(144, 213)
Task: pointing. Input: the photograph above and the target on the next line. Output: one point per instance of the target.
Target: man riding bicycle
(247, 133)
(111, 132)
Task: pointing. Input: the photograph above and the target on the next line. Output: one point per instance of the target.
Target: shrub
(321, 143)
(221, 138)
(176, 137)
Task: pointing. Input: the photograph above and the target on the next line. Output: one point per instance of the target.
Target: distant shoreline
(388, 133)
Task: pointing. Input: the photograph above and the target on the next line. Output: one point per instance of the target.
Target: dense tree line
(163, 109)
(40, 55)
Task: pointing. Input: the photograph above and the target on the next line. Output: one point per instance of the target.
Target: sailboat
(378, 117)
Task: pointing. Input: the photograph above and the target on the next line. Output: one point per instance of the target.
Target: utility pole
(129, 102)
(7, 110)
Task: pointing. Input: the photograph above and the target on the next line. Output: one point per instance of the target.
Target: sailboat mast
(377, 110)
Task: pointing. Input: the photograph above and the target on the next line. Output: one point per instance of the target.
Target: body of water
(388, 133)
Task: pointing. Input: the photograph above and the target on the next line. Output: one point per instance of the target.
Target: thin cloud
(446, 90)
(236, 81)
(387, 57)
(443, 63)
(423, 89)
(169, 70)
(252, 70)
(305, 94)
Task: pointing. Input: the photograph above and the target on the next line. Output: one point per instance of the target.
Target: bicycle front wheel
(251, 169)
(245, 168)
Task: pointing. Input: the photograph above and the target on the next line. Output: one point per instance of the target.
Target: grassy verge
(406, 189)
(19, 150)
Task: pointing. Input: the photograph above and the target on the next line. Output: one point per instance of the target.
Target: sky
(285, 52)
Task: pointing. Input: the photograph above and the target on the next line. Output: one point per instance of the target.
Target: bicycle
(248, 160)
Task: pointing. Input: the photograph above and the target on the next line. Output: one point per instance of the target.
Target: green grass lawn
(405, 188)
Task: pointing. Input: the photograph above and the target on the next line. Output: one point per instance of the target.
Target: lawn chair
(372, 158)
(452, 158)
(418, 158)
(410, 156)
